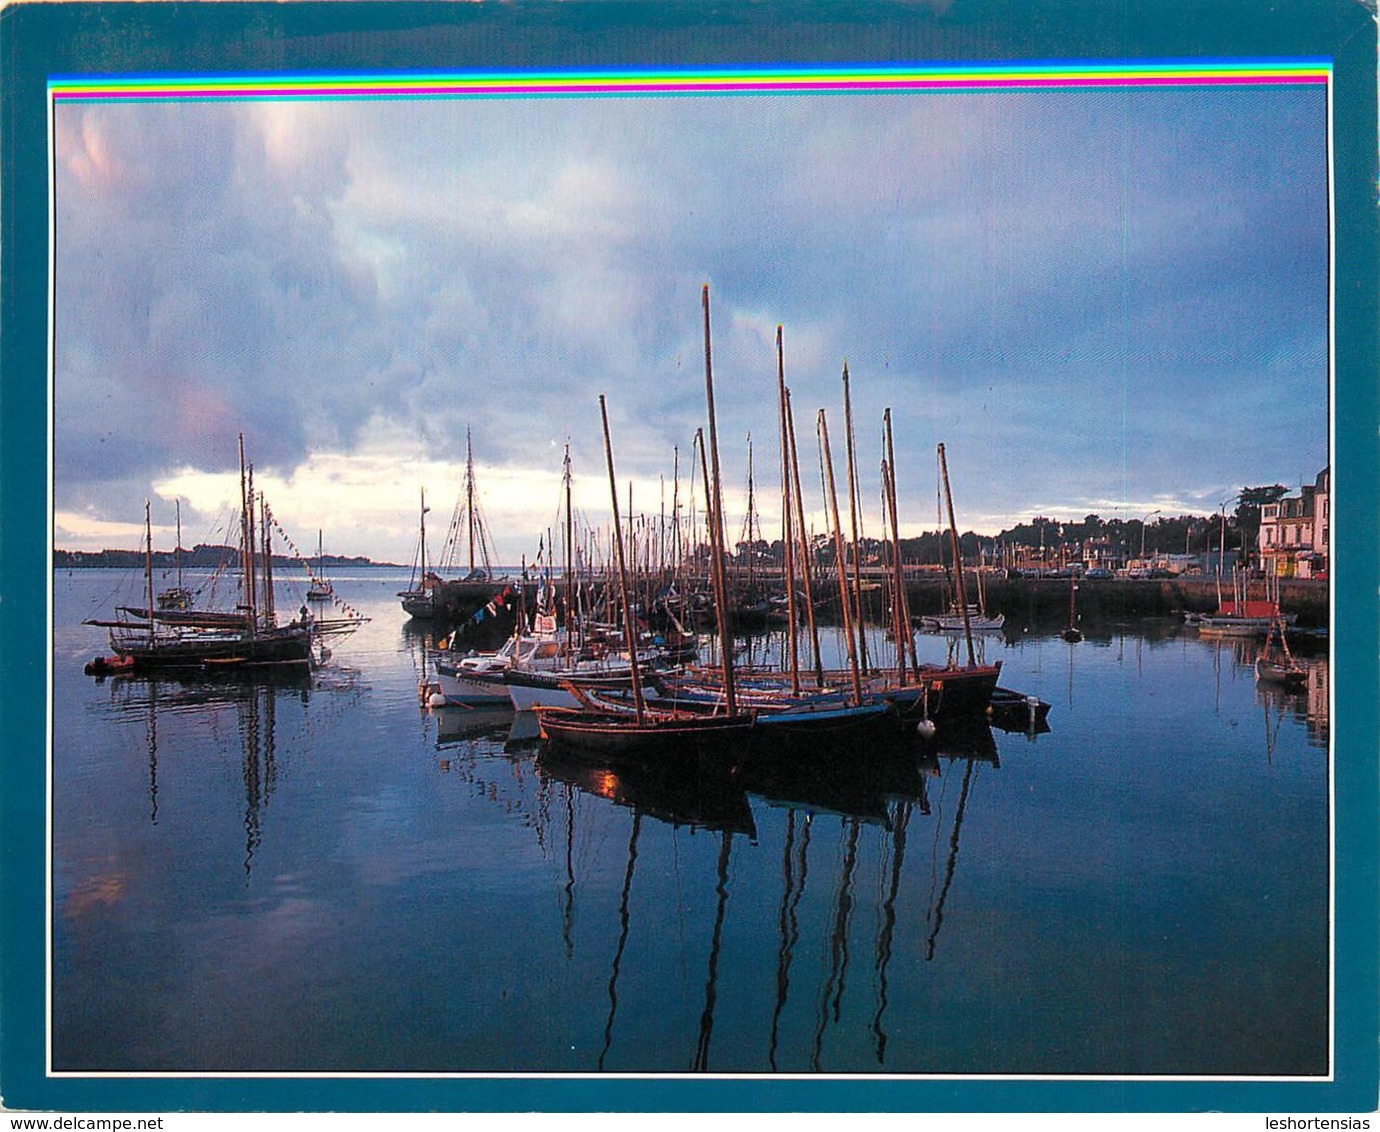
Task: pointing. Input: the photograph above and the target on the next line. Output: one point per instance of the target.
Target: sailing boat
(148, 638)
(433, 596)
(1073, 634)
(942, 691)
(1279, 667)
(1245, 616)
(666, 734)
(178, 596)
(662, 733)
(320, 588)
(418, 599)
(972, 618)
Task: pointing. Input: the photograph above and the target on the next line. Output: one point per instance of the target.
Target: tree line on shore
(199, 557)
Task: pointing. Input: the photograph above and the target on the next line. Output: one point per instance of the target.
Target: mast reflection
(253, 698)
(624, 921)
(701, 1061)
(795, 866)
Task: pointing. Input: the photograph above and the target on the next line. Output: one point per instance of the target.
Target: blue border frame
(43, 40)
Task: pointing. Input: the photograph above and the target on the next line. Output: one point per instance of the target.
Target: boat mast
(751, 522)
(422, 557)
(569, 558)
(266, 516)
(900, 603)
(958, 560)
(853, 509)
(803, 535)
(788, 521)
(638, 702)
(179, 547)
(844, 596)
(675, 517)
(247, 566)
(148, 568)
(716, 534)
(897, 624)
(469, 492)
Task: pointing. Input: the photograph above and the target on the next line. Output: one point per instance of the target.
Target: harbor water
(318, 874)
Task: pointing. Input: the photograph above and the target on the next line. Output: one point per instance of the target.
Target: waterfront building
(1294, 531)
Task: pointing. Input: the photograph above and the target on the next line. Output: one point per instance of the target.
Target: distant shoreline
(199, 557)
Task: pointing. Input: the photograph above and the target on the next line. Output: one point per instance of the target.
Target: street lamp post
(1142, 533)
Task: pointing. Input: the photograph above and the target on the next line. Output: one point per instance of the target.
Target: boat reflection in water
(883, 790)
(700, 799)
(1306, 701)
(462, 724)
(254, 699)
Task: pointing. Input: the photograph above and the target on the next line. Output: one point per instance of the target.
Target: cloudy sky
(1107, 302)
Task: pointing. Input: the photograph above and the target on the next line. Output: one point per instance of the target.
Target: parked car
(1098, 572)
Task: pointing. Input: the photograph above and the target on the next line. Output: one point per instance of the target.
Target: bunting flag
(500, 602)
(344, 606)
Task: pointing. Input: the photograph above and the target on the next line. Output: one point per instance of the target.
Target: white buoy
(436, 700)
(925, 729)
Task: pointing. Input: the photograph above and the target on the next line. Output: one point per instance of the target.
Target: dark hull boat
(779, 713)
(151, 639)
(1009, 710)
(663, 736)
(143, 651)
(941, 694)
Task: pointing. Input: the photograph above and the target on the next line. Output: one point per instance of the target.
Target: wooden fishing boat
(177, 597)
(649, 731)
(932, 691)
(954, 622)
(1251, 618)
(150, 638)
(1278, 667)
(663, 734)
(778, 712)
(939, 692)
(431, 594)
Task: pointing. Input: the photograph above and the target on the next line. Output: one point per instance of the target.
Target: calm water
(319, 875)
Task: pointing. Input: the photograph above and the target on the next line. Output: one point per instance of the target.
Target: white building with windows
(1295, 531)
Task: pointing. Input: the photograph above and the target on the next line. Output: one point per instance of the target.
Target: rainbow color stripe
(518, 84)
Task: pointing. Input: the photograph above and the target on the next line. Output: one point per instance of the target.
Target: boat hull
(459, 687)
(938, 693)
(615, 735)
(222, 652)
(951, 623)
(530, 690)
(941, 694)
(1279, 674)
